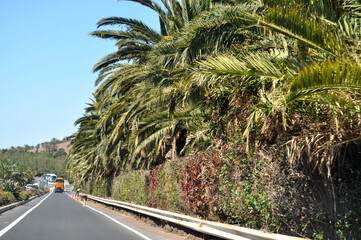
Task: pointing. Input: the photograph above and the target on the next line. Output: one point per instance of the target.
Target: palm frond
(309, 31)
(147, 3)
(331, 76)
(111, 34)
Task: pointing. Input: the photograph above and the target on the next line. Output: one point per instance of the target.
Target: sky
(46, 60)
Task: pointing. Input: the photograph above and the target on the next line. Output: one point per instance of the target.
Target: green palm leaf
(331, 76)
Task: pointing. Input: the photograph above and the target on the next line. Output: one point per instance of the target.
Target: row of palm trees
(10, 171)
(264, 68)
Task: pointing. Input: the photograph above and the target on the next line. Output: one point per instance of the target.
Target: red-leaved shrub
(153, 185)
(200, 181)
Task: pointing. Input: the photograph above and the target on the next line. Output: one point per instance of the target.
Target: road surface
(58, 216)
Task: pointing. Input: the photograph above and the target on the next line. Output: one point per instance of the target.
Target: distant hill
(65, 145)
(40, 159)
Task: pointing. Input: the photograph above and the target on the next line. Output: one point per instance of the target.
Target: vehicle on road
(52, 177)
(59, 185)
(29, 186)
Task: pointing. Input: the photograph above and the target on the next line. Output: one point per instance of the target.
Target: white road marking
(11, 225)
(121, 224)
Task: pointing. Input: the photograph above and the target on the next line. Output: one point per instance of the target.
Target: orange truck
(59, 185)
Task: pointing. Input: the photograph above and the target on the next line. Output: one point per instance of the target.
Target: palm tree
(6, 169)
(82, 162)
(292, 56)
(133, 44)
(123, 84)
(214, 55)
(280, 72)
(14, 172)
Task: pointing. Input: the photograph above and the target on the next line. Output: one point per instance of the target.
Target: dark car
(58, 189)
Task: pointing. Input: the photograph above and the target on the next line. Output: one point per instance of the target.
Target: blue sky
(45, 66)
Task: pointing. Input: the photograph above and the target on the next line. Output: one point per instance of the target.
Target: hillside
(43, 158)
(64, 145)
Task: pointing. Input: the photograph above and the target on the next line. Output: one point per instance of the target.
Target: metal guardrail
(221, 230)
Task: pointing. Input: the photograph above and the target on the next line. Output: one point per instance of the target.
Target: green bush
(13, 187)
(241, 199)
(165, 187)
(7, 197)
(43, 190)
(159, 188)
(25, 195)
(130, 186)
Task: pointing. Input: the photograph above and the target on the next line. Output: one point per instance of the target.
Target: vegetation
(269, 90)
(19, 165)
(11, 192)
(27, 161)
(13, 178)
(36, 163)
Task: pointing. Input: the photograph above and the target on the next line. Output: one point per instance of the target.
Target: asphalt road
(41, 182)
(57, 216)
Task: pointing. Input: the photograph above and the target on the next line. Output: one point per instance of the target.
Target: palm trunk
(174, 148)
